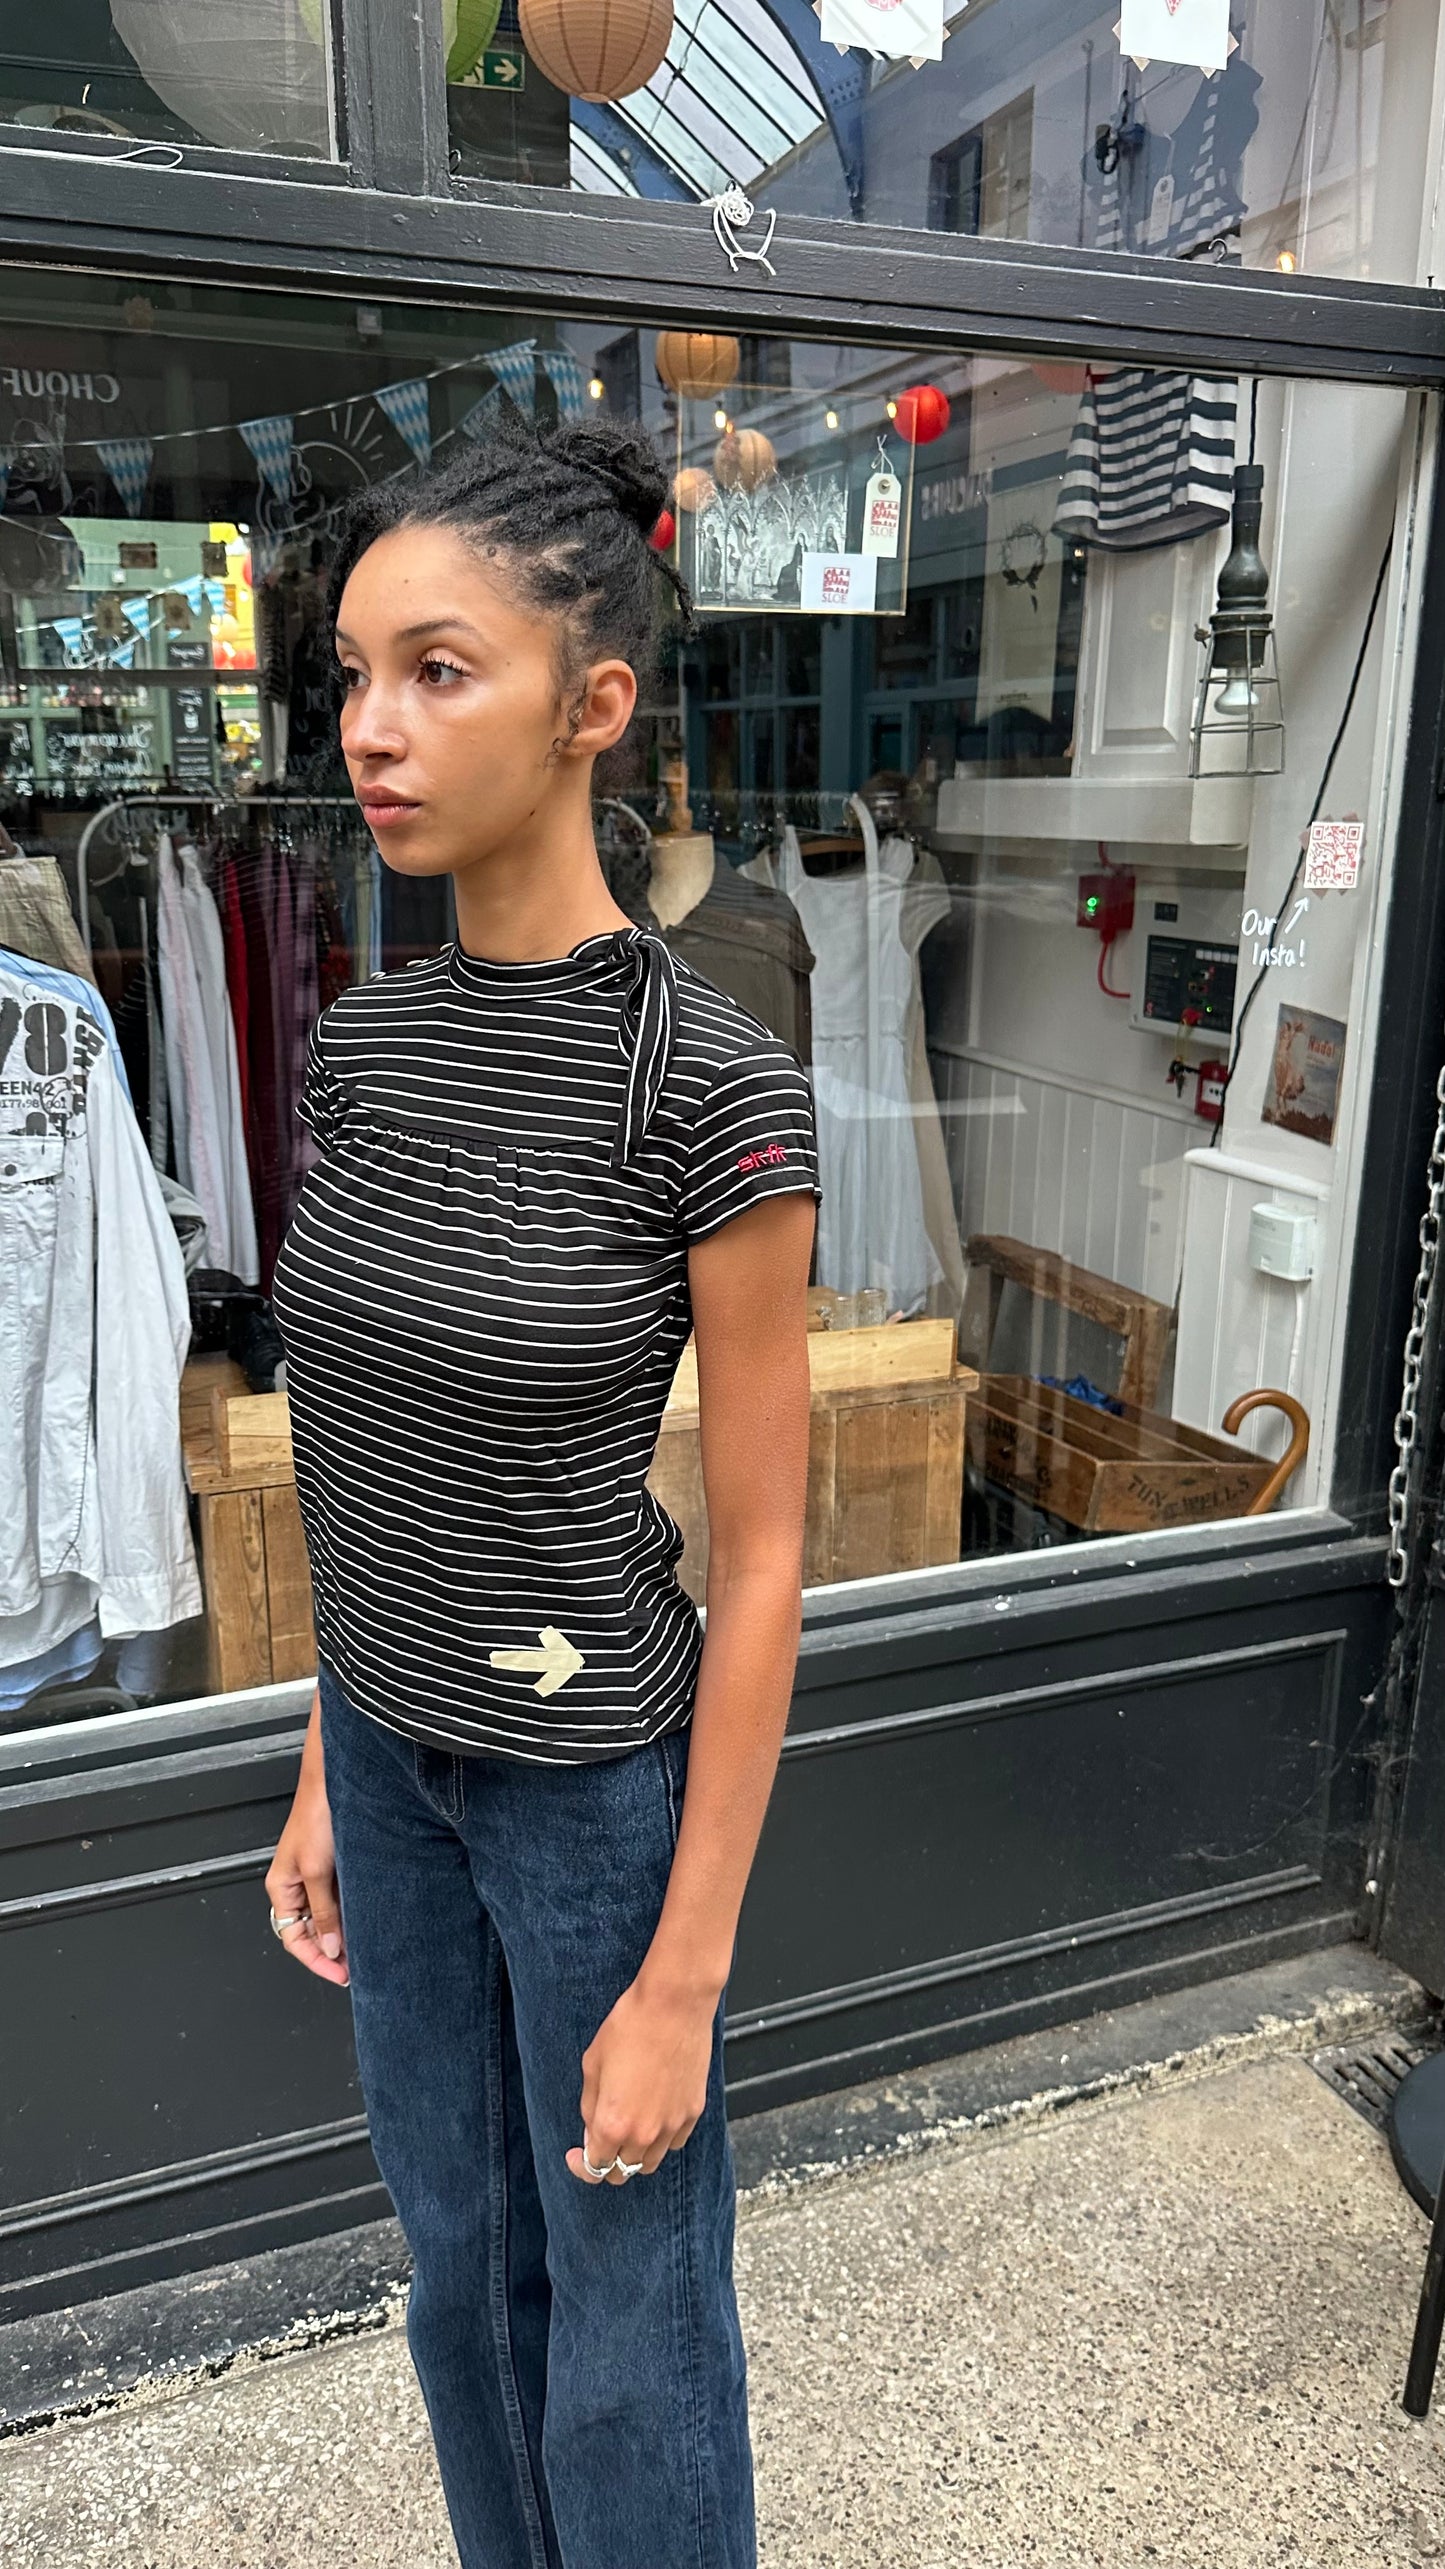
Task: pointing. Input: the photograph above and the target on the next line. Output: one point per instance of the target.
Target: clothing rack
(180, 801)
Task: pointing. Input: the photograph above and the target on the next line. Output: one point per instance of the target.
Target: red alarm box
(1211, 1079)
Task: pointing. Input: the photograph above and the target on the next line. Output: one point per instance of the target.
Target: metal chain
(1407, 1416)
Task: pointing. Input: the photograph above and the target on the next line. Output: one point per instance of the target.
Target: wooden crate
(237, 1446)
(885, 1484)
(885, 1454)
(1141, 1324)
(1103, 1474)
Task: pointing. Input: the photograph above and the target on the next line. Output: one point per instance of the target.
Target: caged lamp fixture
(1238, 727)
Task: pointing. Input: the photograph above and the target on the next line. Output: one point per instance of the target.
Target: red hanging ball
(922, 414)
(663, 533)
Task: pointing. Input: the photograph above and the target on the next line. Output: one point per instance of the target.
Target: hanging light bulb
(830, 419)
(1237, 696)
(597, 388)
(1238, 727)
(719, 419)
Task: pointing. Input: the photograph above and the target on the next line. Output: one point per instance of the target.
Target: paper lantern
(694, 490)
(697, 363)
(921, 414)
(596, 49)
(742, 458)
(663, 533)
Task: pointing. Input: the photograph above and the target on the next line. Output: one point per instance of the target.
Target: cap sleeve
(754, 1137)
(323, 1101)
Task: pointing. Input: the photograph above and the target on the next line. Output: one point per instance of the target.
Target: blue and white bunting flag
(408, 407)
(265, 553)
(483, 414)
(270, 443)
(128, 462)
(567, 380)
(515, 371)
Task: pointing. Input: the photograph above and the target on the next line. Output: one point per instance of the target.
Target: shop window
(1086, 1022)
(981, 183)
(1307, 150)
(618, 369)
(252, 75)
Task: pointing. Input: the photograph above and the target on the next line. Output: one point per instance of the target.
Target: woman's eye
(440, 673)
(350, 679)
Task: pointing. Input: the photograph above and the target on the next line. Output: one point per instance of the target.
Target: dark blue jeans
(578, 2346)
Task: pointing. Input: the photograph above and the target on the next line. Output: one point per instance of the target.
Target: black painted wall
(993, 1811)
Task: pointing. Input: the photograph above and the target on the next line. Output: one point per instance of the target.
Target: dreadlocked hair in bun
(566, 516)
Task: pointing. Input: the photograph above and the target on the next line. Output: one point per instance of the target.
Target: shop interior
(986, 779)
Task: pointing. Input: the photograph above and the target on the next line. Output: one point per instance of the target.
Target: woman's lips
(384, 813)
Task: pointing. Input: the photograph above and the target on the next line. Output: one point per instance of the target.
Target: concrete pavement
(1165, 2325)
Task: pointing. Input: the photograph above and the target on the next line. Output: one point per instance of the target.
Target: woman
(543, 1156)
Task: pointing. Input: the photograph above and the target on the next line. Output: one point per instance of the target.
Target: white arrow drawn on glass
(558, 1659)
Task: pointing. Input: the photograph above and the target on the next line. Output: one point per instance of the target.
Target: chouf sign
(1192, 31)
(899, 30)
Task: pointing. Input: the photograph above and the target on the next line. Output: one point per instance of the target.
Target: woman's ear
(608, 700)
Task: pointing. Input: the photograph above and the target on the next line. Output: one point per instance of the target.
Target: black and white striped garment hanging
(483, 1297)
(1150, 460)
(1151, 456)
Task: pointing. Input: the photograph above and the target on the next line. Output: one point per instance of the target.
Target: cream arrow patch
(558, 1659)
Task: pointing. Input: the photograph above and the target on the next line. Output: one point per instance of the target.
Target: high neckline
(596, 959)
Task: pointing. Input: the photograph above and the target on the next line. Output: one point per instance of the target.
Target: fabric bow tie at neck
(649, 1023)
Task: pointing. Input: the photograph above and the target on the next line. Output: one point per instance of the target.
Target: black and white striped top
(1150, 461)
(483, 1297)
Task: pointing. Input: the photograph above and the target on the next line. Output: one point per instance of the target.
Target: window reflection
(254, 75)
(940, 833)
(1307, 151)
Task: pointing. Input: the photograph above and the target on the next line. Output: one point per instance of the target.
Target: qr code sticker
(1332, 857)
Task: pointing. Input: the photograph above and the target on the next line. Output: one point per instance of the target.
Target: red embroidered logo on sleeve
(772, 1156)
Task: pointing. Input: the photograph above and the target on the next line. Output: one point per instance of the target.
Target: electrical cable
(1253, 415)
(1105, 944)
(1334, 750)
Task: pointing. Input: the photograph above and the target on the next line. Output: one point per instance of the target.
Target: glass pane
(1308, 150)
(253, 75)
(1008, 858)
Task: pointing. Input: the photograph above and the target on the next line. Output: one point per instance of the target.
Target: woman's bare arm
(645, 2073)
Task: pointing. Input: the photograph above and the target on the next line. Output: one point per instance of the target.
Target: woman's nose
(371, 725)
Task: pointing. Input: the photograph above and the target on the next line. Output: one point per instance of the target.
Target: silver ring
(596, 2172)
(298, 1918)
(629, 2167)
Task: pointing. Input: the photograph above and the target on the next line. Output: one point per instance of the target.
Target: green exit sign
(500, 67)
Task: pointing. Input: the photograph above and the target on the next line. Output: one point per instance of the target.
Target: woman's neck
(521, 906)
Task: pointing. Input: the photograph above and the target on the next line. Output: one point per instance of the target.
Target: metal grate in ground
(1367, 2074)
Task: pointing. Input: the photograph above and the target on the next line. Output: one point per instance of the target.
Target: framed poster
(1302, 1094)
(793, 537)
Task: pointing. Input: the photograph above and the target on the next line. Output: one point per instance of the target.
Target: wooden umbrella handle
(1294, 1453)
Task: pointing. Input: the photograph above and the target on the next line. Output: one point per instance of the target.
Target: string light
(1286, 262)
(892, 409)
(597, 388)
(830, 419)
(719, 419)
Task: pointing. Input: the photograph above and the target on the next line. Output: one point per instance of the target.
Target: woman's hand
(302, 1878)
(644, 2077)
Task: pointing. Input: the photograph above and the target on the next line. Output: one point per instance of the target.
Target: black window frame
(392, 220)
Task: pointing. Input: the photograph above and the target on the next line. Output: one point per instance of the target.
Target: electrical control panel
(1183, 960)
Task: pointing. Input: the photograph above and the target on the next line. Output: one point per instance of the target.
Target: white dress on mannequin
(865, 930)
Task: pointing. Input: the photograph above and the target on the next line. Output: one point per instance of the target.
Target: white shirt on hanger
(202, 1071)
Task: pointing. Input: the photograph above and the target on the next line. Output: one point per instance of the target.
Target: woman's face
(455, 730)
